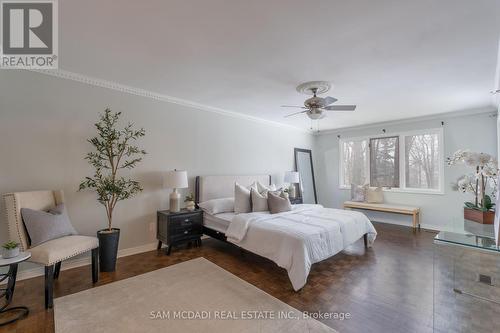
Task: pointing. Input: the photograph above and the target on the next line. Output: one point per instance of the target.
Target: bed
(294, 240)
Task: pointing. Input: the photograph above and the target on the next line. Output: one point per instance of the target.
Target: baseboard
(409, 225)
(431, 227)
(135, 250)
(78, 262)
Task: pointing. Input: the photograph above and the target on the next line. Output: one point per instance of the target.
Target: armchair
(53, 252)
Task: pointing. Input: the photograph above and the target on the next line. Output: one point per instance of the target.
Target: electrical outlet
(486, 279)
(151, 227)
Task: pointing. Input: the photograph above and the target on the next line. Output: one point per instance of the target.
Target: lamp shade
(175, 179)
(291, 177)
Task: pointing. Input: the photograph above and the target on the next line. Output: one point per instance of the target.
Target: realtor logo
(29, 34)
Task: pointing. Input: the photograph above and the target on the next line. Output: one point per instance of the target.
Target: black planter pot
(108, 248)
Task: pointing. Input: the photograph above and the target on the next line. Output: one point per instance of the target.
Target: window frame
(397, 154)
(341, 163)
(402, 161)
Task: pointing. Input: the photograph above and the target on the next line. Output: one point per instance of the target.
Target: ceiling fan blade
(329, 100)
(293, 106)
(340, 108)
(293, 114)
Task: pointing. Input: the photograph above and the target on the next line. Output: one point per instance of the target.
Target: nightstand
(296, 201)
(179, 227)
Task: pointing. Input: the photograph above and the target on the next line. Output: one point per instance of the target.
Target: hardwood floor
(387, 288)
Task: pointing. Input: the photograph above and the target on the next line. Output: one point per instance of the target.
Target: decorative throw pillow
(358, 192)
(242, 199)
(216, 206)
(282, 194)
(44, 226)
(374, 195)
(277, 204)
(259, 201)
(261, 188)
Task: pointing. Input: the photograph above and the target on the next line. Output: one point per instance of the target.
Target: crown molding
(97, 82)
(441, 116)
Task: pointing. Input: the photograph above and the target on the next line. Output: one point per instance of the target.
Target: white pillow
(242, 199)
(262, 188)
(216, 206)
(259, 201)
(374, 195)
(358, 192)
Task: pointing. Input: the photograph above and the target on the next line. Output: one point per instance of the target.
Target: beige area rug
(193, 296)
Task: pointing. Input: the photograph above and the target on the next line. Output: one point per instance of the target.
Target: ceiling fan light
(315, 114)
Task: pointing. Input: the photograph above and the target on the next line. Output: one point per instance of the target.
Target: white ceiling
(394, 59)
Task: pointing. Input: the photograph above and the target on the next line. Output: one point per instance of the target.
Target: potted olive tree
(113, 151)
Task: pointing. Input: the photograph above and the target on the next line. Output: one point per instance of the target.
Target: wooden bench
(388, 208)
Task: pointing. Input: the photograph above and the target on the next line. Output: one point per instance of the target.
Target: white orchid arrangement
(480, 183)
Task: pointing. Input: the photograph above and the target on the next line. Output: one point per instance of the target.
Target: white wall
(477, 132)
(45, 121)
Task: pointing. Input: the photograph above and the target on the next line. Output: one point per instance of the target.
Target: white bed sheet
(219, 222)
(297, 239)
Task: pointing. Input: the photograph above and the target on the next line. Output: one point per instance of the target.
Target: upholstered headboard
(215, 187)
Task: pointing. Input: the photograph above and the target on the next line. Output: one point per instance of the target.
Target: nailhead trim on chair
(18, 225)
(71, 256)
(17, 221)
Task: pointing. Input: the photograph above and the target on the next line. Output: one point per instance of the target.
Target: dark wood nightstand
(295, 201)
(180, 227)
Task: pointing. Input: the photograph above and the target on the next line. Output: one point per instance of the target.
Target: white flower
(485, 170)
(465, 184)
(483, 159)
(471, 159)
(457, 157)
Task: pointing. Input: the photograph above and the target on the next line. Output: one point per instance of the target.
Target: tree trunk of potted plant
(113, 152)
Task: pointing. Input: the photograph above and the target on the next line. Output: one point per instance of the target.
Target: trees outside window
(422, 161)
(355, 162)
(407, 161)
(384, 162)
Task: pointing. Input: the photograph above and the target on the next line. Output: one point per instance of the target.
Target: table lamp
(174, 180)
(292, 177)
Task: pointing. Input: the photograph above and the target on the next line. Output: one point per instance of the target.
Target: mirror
(304, 166)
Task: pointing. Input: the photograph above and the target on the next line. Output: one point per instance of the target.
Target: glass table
(478, 242)
(7, 290)
(466, 279)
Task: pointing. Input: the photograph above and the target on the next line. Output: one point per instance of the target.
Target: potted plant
(482, 184)
(10, 250)
(113, 151)
(189, 200)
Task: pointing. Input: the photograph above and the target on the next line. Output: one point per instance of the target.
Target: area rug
(193, 296)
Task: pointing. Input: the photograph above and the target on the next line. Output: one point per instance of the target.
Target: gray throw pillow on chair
(44, 226)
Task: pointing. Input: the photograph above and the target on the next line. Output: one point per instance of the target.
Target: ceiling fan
(315, 106)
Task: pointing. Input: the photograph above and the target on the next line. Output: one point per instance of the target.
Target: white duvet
(299, 238)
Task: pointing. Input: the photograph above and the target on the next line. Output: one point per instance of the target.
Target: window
(384, 162)
(355, 164)
(408, 162)
(422, 161)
